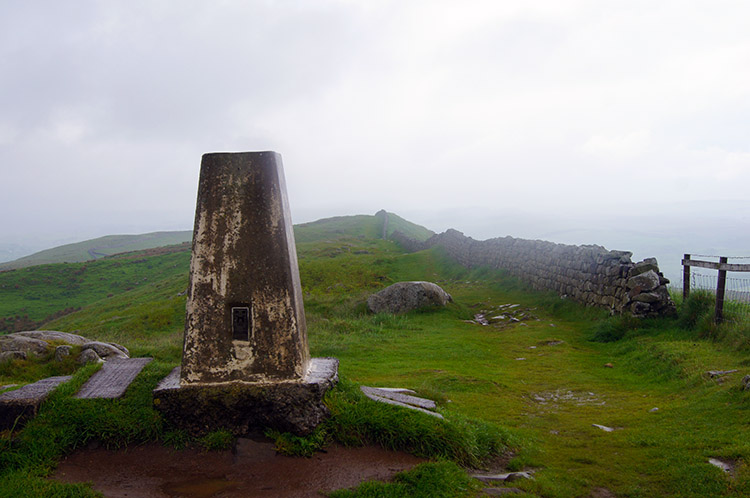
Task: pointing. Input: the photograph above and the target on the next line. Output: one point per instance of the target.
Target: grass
(532, 390)
(357, 421)
(30, 296)
(97, 248)
(428, 480)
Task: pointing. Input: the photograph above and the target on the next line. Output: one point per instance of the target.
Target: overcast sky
(524, 118)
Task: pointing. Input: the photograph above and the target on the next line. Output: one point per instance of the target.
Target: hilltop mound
(378, 226)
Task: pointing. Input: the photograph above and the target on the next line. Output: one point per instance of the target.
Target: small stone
(653, 410)
(719, 373)
(490, 478)
(12, 355)
(517, 476)
(609, 365)
(89, 356)
(62, 351)
(520, 359)
(722, 465)
(647, 281)
(603, 427)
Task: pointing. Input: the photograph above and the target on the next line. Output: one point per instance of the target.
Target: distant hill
(37, 293)
(368, 226)
(379, 226)
(98, 248)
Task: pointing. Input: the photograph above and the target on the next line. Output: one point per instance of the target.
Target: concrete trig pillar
(245, 319)
(245, 363)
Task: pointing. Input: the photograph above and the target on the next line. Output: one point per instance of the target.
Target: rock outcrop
(407, 296)
(21, 345)
(588, 274)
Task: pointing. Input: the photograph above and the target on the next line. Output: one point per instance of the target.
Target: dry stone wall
(588, 274)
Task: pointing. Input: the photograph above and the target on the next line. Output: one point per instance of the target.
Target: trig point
(245, 362)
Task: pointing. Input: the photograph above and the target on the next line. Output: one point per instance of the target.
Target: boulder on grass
(54, 336)
(104, 350)
(28, 345)
(40, 342)
(402, 297)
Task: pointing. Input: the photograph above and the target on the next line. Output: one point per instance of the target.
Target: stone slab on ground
(19, 406)
(508, 476)
(113, 379)
(246, 407)
(427, 404)
(373, 395)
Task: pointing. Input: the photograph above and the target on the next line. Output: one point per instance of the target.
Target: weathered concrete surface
(402, 297)
(113, 379)
(19, 406)
(245, 320)
(244, 408)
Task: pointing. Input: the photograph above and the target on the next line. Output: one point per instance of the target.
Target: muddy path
(251, 469)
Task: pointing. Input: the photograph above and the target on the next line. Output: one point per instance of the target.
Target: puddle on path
(251, 469)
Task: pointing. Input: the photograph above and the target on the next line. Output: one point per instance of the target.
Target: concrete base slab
(19, 406)
(244, 408)
(113, 379)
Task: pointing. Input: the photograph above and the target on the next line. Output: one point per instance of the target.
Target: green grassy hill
(35, 294)
(542, 382)
(97, 248)
(358, 227)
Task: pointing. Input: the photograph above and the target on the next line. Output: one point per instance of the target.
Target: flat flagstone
(113, 379)
(380, 397)
(17, 407)
(402, 390)
(503, 477)
(427, 404)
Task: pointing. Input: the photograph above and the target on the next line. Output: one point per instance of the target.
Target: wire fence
(737, 288)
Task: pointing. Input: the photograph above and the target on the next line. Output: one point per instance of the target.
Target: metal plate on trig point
(241, 323)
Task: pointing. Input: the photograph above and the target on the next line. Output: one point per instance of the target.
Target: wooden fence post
(720, 287)
(685, 279)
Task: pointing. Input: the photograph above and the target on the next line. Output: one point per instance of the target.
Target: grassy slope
(357, 227)
(41, 291)
(103, 246)
(551, 398)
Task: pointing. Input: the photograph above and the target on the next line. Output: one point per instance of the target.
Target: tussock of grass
(357, 421)
(34, 368)
(428, 480)
(217, 440)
